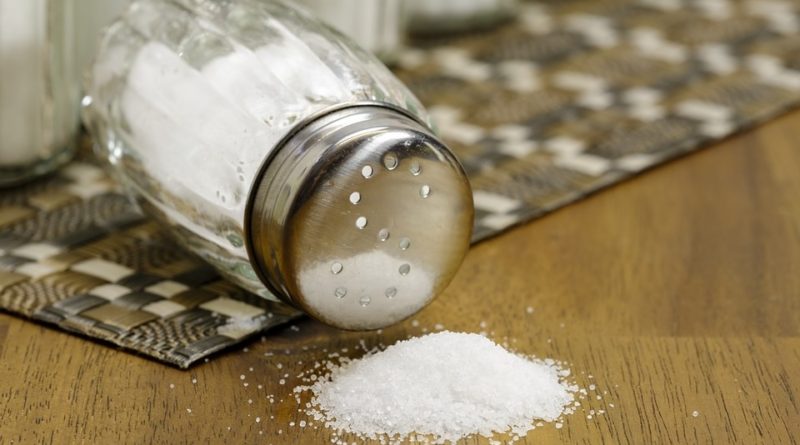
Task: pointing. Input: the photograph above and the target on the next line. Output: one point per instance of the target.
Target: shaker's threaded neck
(360, 218)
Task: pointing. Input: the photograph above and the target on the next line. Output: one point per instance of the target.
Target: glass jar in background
(286, 156)
(39, 87)
(376, 25)
(432, 17)
(91, 17)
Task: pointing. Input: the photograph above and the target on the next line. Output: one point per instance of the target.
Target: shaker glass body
(187, 99)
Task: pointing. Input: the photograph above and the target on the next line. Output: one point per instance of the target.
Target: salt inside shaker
(288, 158)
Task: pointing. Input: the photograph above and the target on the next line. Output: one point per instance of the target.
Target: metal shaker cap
(360, 218)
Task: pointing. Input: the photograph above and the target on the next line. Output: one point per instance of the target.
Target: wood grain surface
(673, 293)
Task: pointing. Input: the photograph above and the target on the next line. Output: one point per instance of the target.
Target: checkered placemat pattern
(76, 253)
(577, 95)
(569, 98)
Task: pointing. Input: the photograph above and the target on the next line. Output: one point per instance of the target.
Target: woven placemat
(577, 95)
(570, 98)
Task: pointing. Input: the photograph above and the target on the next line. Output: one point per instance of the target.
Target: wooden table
(675, 292)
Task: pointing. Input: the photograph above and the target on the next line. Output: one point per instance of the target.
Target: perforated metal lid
(360, 218)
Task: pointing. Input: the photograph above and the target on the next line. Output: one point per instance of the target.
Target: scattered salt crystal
(194, 381)
(695, 413)
(250, 401)
(171, 386)
(447, 385)
(279, 365)
(241, 377)
(302, 424)
(258, 419)
(529, 309)
(438, 326)
(414, 323)
(559, 425)
(189, 410)
(281, 382)
(592, 387)
(250, 369)
(246, 349)
(291, 423)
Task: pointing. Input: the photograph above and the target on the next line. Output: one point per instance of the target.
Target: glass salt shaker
(430, 17)
(39, 88)
(284, 155)
(376, 25)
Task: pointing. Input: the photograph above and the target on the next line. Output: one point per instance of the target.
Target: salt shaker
(39, 87)
(287, 157)
(429, 17)
(376, 25)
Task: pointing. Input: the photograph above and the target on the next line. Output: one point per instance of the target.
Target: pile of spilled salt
(445, 386)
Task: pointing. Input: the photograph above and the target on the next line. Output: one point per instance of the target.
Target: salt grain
(446, 385)
(695, 413)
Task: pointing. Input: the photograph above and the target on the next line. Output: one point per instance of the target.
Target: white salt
(445, 385)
